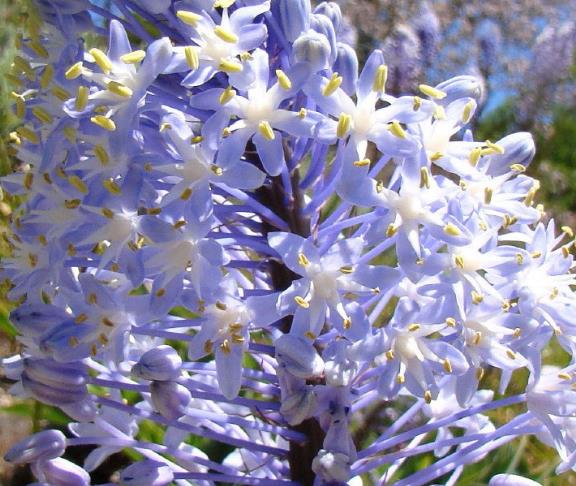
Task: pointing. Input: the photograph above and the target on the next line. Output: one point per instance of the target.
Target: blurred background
(524, 51)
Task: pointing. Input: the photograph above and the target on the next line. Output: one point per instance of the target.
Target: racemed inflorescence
(231, 230)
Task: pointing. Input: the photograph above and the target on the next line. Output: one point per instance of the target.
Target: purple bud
(312, 48)
(298, 356)
(169, 398)
(323, 25)
(147, 473)
(63, 473)
(511, 480)
(33, 320)
(347, 66)
(518, 148)
(159, 364)
(464, 86)
(332, 11)
(294, 17)
(299, 406)
(44, 445)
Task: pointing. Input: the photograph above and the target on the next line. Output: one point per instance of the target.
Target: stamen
(343, 126)
(192, 58)
(283, 79)
(397, 130)
(333, 84)
(225, 34)
(432, 92)
(133, 57)
(81, 98)
(101, 59)
(380, 78)
(119, 89)
(266, 130)
(104, 122)
(227, 95)
(74, 71)
(189, 18)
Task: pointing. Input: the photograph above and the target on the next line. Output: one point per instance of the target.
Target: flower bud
(44, 445)
(82, 411)
(518, 149)
(294, 17)
(332, 466)
(511, 480)
(298, 356)
(33, 320)
(64, 473)
(147, 473)
(323, 25)
(346, 65)
(332, 11)
(54, 383)
(159, 364)
(464, 86)
(299, 406)
(169, 398)
(312, 48)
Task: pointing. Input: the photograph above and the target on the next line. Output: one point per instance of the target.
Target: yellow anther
(475, 155)
(343, 126)
(80, 318)
(196, 139)
(15, 139)
(42, 115)
(108, 213)
(400, 378)
(413, 327)
(569, 231)
(439, 113)
(517, 332)
(506, 305)
(362, 163)
(78, 184)
(28, 134)
(246, 56)
(104, 122)
(226, 132)
(519, 258)
(488, 195)
(511, 354)
(436, 156)
(28, 180)
(450, 322)
(227, 95)
(119, 89)
(71, 203)
(38, 48)
(225, 347)
(133, 57)
(101, 154)
(391, 230)
(389, 355)
(73, 341)
(266, 130)
(223, 3)
(424, 177)
(32, 259)
(477, 338)
(225, 34)
(310, 335)
(208, 346)
(23, 66)
(81, 98)
(459, 261)
(161, 292)
(42, 239)
(47, 76)
(186, 193)
(397, 130)
(380, 78)
(216, 170)
(237, 339)
(94, 350)
(189, 18)
(20, 104)
(101, 59)
(497, 149)
(480, 373)
(476, 297)
(192, 58)
(229, 66)
(417, 103)
(452, 230)
(467, 111)
(301, 302)
(447, 365)
(554, 293)
(71, 249)
(103, 339)
(332, 85)
(61, 93)
(564, 376)
(427, 396)
(302, 113)
(347, 324)
(179, 224)
(347, 270)
(509, 221)
(536, 254)
(432, 92)
(303, 260)
(111, 187)
(283, 79)
(565, 251)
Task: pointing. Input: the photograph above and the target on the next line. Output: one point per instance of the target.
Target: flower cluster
(232, 230)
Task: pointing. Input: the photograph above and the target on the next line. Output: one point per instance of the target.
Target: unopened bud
(159, 364)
